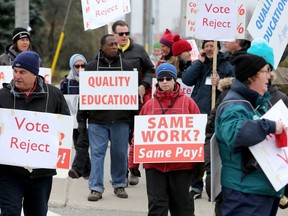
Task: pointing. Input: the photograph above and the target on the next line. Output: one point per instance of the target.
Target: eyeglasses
(78, 66)
(266, 71)
(164, 78)
(122, 33)
(112, 44)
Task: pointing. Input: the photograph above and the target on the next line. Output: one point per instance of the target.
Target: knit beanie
(19, 33)
(157, 45)
(28, 60)
(247, 65)
(167, 39)
(205, 41)
(166, 70)
(74, 58)
(260, 47)
(179, 46)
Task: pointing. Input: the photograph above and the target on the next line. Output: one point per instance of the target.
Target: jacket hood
(225, 83)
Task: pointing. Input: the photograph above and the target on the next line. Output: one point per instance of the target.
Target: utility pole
(147, 25)
(183, 18)
(22, 14)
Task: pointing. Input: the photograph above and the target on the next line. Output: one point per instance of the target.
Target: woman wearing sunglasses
(167, 183)
(70, 85)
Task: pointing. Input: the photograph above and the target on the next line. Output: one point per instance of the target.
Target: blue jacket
(69, 86)
(238, 126)
(196, 75)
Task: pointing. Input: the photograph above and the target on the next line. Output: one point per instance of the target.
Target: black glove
(82, 128)
(135, 172)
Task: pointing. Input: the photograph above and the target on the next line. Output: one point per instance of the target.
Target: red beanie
(167, 39)
(180, 46)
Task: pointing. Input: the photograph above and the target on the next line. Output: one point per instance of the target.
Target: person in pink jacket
(167, 183)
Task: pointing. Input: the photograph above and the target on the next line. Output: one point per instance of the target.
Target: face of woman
(186, 56)
(79, 65)
(165, 50)
(259, 83)
(23, 44)
(166, 83)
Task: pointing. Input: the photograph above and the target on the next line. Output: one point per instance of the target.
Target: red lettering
(38, 127)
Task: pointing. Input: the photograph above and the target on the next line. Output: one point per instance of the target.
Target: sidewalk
(67, 192)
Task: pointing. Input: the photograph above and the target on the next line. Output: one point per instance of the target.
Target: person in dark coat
(20, 186)
(107, 125)
(140, 61)
(70, 85)
(21, 41)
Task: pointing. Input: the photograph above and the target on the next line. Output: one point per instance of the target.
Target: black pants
(81, 163)
(35, 194)
(169, 191)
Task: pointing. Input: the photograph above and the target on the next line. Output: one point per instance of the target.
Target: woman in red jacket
(167, 183)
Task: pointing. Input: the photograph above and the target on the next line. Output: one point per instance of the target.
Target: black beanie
(19, 33)
(247, 65)
(205, 41)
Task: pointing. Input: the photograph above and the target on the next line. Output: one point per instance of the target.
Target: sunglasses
(122, 33)
(164, 78)
(78, 66)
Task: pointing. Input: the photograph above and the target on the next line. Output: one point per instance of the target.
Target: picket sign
(6, 74)
(102, 12)
(269, 21)
(109, 90)
(169, 138)
(35, 139)
(273, 160)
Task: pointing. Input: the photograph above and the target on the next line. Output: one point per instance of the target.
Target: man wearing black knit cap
(21, 41)
(22, 186)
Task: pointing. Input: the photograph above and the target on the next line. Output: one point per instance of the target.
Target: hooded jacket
(172, 102)
(239, 109)
(8, 56)
(45, 98)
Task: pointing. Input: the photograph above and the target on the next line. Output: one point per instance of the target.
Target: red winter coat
(182, 105)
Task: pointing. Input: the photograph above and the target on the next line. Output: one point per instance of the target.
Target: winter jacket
(196, 76)
(238, 126)
(69, 86)
(181, 104)
(100, 63)
(138, 58)
(8, 56)
(45, 98)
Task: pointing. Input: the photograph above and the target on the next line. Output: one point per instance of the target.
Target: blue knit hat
(166, 70)
(28, 60)
(260, 47)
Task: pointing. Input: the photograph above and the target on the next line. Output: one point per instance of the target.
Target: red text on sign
(30, 126)
(28, 146)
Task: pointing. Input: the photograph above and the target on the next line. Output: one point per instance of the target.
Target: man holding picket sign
(23, 186)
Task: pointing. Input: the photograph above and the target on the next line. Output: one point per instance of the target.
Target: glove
(135, 172)
(82, 128)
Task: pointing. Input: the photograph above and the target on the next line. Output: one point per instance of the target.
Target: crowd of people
(243, 79)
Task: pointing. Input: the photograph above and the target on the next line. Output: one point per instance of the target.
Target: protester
(21, 41)
(236, 48)
(181, 49)
(105, 126)
(245, 187)
(21, 186)
(199, 75)
(140, 60)
(167, 183)
(70, 85)
(156, 53)
(166, 42)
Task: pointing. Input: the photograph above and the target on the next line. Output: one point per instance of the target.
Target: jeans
(35, 194)
(99, 135)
